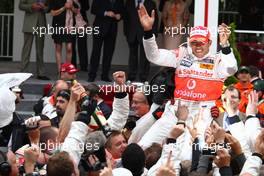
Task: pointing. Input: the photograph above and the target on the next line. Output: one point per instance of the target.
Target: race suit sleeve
(226, 65)
(252, 165)
(161, 57)
(118, 118)
(143, 125)
(74, 142)
(160, 129)
(236, 126)
(253, 129)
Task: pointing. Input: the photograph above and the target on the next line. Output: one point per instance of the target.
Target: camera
(209, 151)
(100, 156)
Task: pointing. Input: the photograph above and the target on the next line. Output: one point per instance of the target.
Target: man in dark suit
(34, 19)
(107, 14)
(134, 34)
(81, 40)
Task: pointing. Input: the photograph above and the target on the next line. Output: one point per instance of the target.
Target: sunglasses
(63, 93)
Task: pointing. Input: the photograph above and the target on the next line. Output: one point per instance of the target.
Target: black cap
(259, 85)
(243, 69)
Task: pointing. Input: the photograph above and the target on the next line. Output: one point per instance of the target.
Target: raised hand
(224, 33)
(167, 169)
(218, 133)
(120, 79)
(209, 138)
(176, 131)
(31, 155)
(145, 20)
(76, 91)
(222, 159)
(252, 107)
(234, 144)
(182, 112)
(199, 124)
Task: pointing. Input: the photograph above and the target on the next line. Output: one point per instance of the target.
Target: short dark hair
(93, 89)
(133, 159)
(47, 133)
(152, 154)
(185, 167)
(60, 163)
(253, 71)
(65, 93)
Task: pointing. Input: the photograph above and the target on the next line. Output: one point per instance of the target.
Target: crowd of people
(71, 15)
(74, 132)
(194, 126)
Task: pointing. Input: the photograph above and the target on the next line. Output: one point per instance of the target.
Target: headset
(5, 167)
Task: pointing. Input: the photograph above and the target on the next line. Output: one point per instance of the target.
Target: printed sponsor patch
(207, 66)
(208, 61)
(186, 63)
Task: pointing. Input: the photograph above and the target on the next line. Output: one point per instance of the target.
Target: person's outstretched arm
(160, 57)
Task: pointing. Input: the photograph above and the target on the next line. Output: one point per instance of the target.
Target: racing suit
(198, 83)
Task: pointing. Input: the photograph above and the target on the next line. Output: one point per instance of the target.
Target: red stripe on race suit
(195, 89)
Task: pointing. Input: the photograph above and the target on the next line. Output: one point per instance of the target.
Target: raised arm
(254, 162)
(75, 141)
(160, 57)
(118, 118)
(70, 112)
(226, 64)
(252, 124)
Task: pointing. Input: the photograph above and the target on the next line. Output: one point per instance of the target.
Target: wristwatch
(170, 141)
(181, 122)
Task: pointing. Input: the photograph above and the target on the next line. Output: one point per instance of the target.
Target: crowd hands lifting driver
(214, 150)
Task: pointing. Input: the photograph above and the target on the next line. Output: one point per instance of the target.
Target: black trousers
(82, 52)
(136, 49)
(108, 42)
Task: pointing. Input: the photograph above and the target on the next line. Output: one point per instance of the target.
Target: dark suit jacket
(132, 26)
(84, 7)
(105, 23)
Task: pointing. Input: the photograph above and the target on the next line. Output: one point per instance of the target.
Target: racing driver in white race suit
(199, 75)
